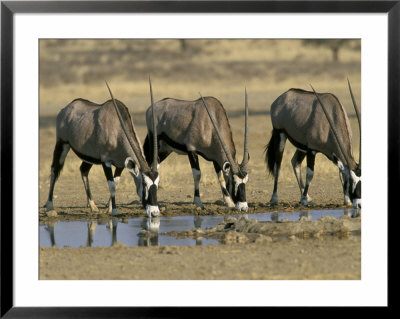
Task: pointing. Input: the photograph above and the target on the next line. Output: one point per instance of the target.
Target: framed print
(206, 76)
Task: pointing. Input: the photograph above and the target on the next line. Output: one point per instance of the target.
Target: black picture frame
(9, 8)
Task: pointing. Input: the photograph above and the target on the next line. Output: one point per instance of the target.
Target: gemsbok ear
(226, 168)
(131, 166)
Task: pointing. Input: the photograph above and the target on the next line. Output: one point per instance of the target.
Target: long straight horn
(155, 146)
(335, 134)
(143, 165)
(246, 132)
(358, 117)
(228, 154)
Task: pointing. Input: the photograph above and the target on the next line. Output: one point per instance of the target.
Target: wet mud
(243, 230)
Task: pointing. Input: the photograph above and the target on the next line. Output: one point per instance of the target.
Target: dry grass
(78, 68)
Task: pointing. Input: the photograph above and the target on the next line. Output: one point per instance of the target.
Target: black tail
(56, 165)
(270, 151)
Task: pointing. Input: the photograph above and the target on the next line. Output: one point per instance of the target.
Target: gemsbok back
(200, 127)
(104, 134)
(314, 122)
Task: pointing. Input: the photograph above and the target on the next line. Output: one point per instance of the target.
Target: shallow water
(151, 232)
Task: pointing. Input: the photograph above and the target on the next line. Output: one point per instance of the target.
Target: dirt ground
(310, 259)
(284, 257)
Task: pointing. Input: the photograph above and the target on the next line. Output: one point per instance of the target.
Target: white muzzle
(242, 206)
(152, 211)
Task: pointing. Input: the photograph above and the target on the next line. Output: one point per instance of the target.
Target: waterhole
(152, 231)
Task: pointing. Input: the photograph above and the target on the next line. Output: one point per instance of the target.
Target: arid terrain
(221, 68)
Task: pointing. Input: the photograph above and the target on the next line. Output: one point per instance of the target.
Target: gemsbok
(104, 134)
(200, 127)
(314, 123)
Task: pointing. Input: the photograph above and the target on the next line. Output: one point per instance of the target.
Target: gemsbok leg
(297, 159)
(60, 152)
(111, 186)
(345, 185)
(85, 168)
(194, 163)
(117, 176)
(278, 146)
(309, 176)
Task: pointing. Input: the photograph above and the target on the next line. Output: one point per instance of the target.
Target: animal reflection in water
(149, 225)
(148, 236)
(149, 229)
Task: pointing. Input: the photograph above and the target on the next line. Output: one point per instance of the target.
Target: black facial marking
(152, 199)
(152, 175)
(152, 193)
(357, 191)
(242, 174)
(241, 193)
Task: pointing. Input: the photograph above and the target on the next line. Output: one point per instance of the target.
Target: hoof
(198, 203)
(304, 202)
(307, 203)
(93, 207)
(114, 212)
(273, 203)
(274, 200)
(49, 206)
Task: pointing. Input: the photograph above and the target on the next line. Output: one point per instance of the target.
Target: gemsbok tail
(270, 151)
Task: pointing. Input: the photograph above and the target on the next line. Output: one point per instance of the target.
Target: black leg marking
(117, 175)
(345, 185)
(278, 148)
(111, 184)
(297, 159)
(310, 174)
(118, 172)
(194, 160)
(85, 168)
(194, 163)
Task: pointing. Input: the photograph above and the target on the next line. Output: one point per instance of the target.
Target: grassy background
(222, 68)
